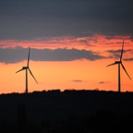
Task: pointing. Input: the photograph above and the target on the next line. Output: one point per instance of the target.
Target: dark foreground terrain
(66, 112)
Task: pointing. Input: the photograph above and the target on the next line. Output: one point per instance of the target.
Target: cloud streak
(49, 42)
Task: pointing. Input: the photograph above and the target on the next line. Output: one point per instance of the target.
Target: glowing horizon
(75, 73)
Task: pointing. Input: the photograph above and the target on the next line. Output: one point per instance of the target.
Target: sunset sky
(72, 42)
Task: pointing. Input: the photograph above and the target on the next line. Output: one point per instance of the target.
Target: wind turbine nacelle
(25, 67)
(117, 62)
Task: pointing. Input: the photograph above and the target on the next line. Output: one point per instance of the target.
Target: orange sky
(77, 74)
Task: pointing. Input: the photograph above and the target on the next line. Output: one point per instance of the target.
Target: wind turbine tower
(119, 63)
(27, 69)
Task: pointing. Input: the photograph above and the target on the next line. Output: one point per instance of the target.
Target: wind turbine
(119, 63)
(27, 68)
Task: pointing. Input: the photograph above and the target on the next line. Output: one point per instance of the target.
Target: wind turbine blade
(111, 64)
(125, 71)
(32, 75)
(28, 58)
(20, 70)
(122, 51)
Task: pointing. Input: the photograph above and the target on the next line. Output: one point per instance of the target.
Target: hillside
(68, 111)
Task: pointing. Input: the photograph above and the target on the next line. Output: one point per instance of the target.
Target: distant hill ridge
(54, 106)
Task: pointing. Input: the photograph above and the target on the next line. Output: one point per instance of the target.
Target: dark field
(66, 112)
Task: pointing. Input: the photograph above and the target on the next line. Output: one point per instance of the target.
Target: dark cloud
(77, 80)
(114, 51)
(117, 53)
(65, 55)
(27, 19)
(103, 82)
(13, 55)
(128, 59)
